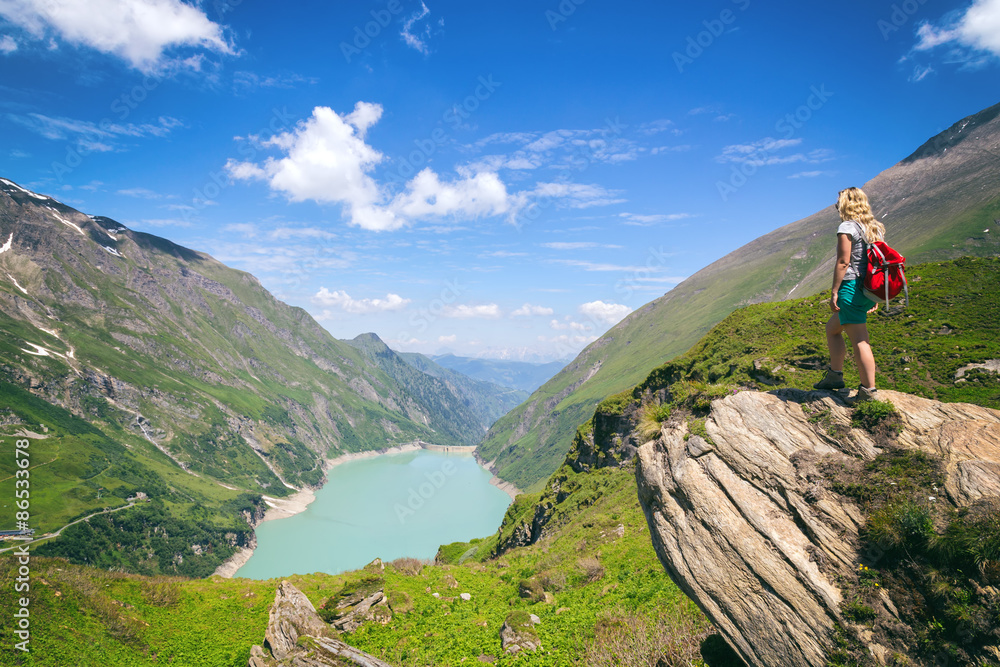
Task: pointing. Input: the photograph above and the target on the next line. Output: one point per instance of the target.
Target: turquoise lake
(384, 507)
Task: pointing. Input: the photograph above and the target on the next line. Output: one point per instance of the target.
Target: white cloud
(577, 245)
(466, 312)
(575, 195)
(141, 193)
(597, 266)
(475, 195)
(570, 324)
(637, 220)
(811, 174)
(91, 136)
(246, 81)
(7, 45)
(764, 152)
(528, 310)
(609, 313)
(447, 339)
(327, 160)
(283, 233)
(246, 229)
(412, 40)
(343, 301)
(138, 31)
(977, 29)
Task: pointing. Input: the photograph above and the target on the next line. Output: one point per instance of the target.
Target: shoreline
(505, 486)
(282, 508)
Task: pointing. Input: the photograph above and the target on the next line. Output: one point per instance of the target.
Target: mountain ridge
(936, 204)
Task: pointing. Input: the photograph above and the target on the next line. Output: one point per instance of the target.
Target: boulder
(298, 637)
(743, 523)
(518, 634)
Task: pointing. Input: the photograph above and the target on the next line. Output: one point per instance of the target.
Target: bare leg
(835, 343)
(863, 357)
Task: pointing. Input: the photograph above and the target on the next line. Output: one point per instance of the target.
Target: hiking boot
(864, 394)
(832, 380)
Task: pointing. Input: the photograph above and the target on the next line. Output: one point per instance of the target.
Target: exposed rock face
(746, 527)
(296, 636)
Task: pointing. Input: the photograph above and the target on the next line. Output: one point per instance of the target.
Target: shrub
(858, 612)
(408, 566)
(553, 581)
(871, 415)
(901, 524)
(671, 639)
(652, 419)
(591, 568)
(531, 589)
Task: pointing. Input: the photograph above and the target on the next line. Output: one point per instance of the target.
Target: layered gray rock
(297, 637)
(744, 524)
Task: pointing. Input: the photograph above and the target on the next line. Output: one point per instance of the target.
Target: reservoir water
(384, 507)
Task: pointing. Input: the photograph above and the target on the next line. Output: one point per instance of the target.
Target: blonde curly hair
(853, 205)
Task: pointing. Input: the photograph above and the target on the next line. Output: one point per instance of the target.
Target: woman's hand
(873, 309)
(833, 303)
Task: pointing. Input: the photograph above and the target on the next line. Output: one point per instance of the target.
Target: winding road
(49, 536)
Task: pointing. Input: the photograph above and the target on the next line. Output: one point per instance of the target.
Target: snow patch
(39, 351)
(6, 246)
(16, 284)
(64, 220)
(51, 332)
(27, 192)
(113, 251)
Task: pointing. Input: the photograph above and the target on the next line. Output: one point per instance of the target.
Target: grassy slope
(213, 623)
(935, 204)
(584, 509)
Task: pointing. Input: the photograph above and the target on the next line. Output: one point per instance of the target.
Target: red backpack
(885, 277)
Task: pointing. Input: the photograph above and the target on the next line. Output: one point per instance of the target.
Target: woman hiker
(849, 305)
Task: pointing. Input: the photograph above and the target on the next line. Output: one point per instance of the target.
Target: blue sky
(498, 179)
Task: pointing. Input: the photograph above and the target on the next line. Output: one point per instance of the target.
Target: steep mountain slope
(207, 385)
(515, 374)
(488, 401)
(936, 204)
(456, 405)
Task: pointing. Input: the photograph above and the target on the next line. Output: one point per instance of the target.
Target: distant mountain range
(943, 201)
(155, 368)
(523, 375)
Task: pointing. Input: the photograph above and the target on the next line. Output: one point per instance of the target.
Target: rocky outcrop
(297, 637)
(518, 633)
(745, 523)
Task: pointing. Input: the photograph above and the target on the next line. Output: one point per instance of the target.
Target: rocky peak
(746, 523)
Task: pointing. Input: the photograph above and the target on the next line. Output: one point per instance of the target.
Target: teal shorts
(854, 305)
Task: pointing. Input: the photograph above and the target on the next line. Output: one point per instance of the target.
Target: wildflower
(931, 498)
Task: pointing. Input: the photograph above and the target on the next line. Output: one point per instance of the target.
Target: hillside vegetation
(143, 366)
(578, 554)
(939, 203)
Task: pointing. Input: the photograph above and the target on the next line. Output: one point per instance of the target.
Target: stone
(517, 633)
(746, 533)
(465, 596)
(296, 635)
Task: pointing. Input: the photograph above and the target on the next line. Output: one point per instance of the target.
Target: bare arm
(840, 268)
